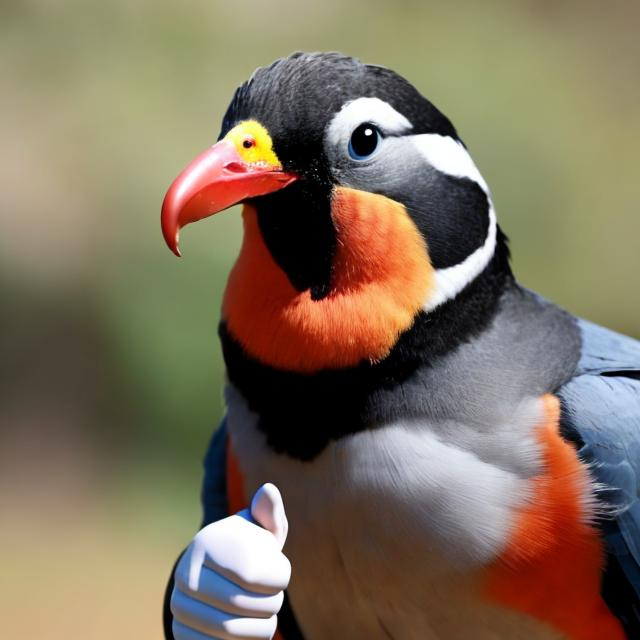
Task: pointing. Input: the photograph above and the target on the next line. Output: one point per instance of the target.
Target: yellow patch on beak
(254, 144)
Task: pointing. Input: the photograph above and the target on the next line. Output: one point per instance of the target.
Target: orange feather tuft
(553, 564)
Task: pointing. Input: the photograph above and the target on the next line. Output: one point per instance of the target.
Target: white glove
(229, 583)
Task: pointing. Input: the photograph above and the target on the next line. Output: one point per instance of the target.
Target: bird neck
(332, 402)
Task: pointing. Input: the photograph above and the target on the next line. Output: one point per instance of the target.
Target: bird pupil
(364, 140)
(247, 144)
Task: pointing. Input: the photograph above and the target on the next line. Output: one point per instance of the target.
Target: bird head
(363, 212)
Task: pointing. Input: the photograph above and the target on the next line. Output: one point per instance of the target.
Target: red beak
(215, 180)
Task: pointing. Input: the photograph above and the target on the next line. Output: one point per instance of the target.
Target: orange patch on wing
(382, 276)
(552, 567)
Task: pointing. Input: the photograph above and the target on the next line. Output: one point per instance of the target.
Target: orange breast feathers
(381, 278)
(553, 565)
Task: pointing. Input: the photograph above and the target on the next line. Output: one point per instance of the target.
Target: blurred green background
(110, 372)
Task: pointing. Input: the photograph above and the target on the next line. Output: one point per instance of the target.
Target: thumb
(267, 509)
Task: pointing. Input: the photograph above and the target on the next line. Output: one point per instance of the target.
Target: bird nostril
(236, 167)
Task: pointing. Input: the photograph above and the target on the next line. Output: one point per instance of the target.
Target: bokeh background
(110, 372)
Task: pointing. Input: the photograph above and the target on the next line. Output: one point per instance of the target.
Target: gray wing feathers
(605, 351)
(601, 407)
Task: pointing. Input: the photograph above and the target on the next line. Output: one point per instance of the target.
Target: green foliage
(105, 102)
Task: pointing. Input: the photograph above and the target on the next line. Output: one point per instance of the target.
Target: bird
(448, 454)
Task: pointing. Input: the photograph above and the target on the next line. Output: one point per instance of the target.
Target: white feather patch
(404, 514)
(449, 156)
(357, 112)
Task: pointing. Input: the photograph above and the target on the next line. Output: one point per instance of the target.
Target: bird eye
(364, 141)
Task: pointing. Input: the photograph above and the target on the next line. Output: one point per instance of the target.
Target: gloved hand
(229, 583)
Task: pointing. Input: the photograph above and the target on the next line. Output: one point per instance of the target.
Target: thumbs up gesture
(229, 583)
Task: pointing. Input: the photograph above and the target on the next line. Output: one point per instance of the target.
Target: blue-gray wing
(601, 415)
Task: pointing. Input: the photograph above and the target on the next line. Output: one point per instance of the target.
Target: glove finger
(244, 553)
(212, 622)
(267, 509)
(182, 632)
(217, 591)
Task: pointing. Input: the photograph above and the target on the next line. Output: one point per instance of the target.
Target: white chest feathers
(390, 528)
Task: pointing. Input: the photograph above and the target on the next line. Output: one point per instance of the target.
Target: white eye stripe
(449, 156)
(356, 112)
(450, 281)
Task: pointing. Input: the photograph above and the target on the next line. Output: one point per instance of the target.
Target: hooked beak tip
(173, 242)
(171, 234)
